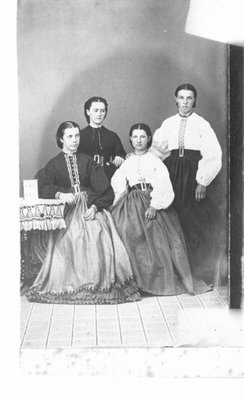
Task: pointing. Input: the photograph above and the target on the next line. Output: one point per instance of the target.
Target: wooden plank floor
(166, 321)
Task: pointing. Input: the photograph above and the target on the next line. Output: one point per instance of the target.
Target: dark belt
(141, 186)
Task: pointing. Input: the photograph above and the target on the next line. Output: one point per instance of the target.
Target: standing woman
(147, 224)
(102, 144)
(190, 150)
(85, 263)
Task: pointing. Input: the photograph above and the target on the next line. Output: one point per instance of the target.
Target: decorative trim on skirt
(85, 263)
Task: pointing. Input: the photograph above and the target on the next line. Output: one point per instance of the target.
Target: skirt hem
(128, 292)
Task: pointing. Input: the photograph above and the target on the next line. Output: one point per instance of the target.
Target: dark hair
(61, 129)
(143, 127)
(94, 99)
(187, 86)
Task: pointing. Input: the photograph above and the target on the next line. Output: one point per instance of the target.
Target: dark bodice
(55, 177)
(101, 141)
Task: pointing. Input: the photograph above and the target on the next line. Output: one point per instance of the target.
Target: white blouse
(199, 136)
(145, 167)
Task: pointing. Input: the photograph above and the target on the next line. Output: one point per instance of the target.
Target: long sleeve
(211, 162)
(162, 194)
(49, 182)
(153, 171)
(198, 136)
(118, 149)
(159, 145)
(46, 189)
(54, 177)
(119, 183)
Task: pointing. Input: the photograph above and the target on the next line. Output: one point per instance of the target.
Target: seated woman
(85, 263)
(148, 226)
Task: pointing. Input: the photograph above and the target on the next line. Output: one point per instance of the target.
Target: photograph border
(29, 386)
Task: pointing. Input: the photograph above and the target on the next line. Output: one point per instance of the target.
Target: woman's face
(185, 100)
(70, 140)
(97, 113)
(139, 140)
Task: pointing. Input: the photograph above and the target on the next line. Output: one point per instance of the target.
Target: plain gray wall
(132, 52)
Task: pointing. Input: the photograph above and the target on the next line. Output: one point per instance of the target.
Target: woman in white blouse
(147, 224)
(189, 148)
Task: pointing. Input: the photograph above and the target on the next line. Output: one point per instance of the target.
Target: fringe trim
(128, 292)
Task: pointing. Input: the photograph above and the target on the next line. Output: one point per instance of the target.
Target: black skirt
(202, 222)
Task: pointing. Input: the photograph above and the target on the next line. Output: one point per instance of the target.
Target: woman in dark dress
(147, 223)
(189, 148)
(85, 263)
(102, 144)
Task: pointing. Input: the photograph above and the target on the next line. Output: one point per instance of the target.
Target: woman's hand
(118, 161)
(150, 213)
(67, 197)
(90, 213)
(200, 192)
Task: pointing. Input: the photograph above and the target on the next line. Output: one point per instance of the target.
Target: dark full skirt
(202, 222)
(85, 263)
(156, 248)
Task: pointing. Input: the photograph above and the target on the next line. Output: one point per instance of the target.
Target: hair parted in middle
(187, 86)
(143, 127)
(94, 99)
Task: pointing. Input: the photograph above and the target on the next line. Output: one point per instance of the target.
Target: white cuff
(57, 195)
